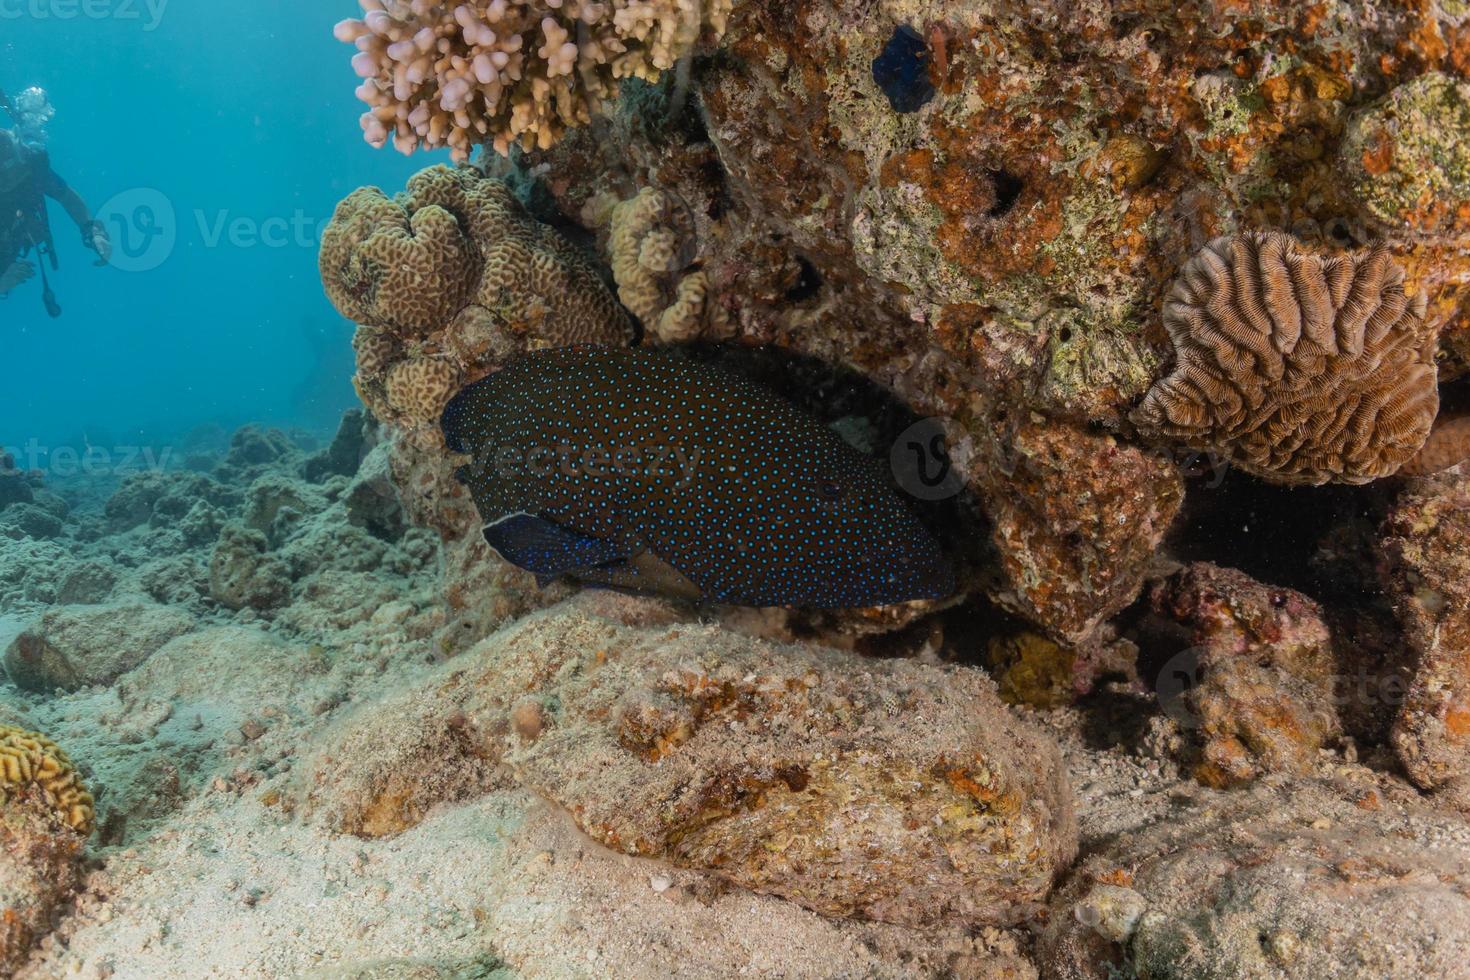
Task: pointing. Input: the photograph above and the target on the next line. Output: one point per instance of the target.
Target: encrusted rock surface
(1257, 689)
(1427, 574)
(1310, 879)
(40, 859)
(785, 770)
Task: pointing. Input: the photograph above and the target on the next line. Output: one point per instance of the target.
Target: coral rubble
(1258, 687)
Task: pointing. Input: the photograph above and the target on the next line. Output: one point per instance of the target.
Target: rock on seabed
(889, 790)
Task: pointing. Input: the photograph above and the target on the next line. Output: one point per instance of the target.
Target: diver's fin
(548, 549)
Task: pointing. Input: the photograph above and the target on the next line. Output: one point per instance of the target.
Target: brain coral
(509, 71)
(1301, 368)
(448, 278)
(32, 763)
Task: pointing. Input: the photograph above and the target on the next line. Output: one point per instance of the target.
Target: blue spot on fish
(902, 70)
(641, 470)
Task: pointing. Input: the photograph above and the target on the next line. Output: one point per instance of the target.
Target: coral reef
(463, 74)
(1427, 574)
(448, 281)
(1258, 686)
(1299, 368)
(1283, 880)
(950, 228)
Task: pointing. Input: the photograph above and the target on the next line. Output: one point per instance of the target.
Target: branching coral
(509, 71)
(1302, 368)
(650, 236)
(449, 278)
(32, 763)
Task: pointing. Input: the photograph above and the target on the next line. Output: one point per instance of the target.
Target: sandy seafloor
(219, 851)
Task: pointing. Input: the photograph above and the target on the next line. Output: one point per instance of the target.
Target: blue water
(223, 135)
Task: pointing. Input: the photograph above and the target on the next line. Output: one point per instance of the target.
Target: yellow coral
(383, 265)
(29, 761)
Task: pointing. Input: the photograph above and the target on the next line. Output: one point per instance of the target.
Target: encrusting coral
(1302, 368)
(449, 278)
(509, 71)
(650, 235)
(30, 762)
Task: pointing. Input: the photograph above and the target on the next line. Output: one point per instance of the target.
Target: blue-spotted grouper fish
(643, 471)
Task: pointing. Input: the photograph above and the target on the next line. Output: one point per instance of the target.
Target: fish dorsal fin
(541, 546)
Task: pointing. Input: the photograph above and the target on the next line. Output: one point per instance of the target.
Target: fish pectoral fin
(546, 548)
(644, 573)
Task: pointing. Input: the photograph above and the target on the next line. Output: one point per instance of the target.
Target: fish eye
(829, 489)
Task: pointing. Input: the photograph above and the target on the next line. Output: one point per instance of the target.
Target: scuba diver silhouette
(26, 181)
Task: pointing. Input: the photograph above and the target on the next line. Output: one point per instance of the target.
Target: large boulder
(244, 574)
(888, 790)
(75, 646)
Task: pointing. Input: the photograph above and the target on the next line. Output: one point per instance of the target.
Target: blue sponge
(902, 70)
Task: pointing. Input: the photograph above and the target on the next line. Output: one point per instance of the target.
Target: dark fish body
(641, 470)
